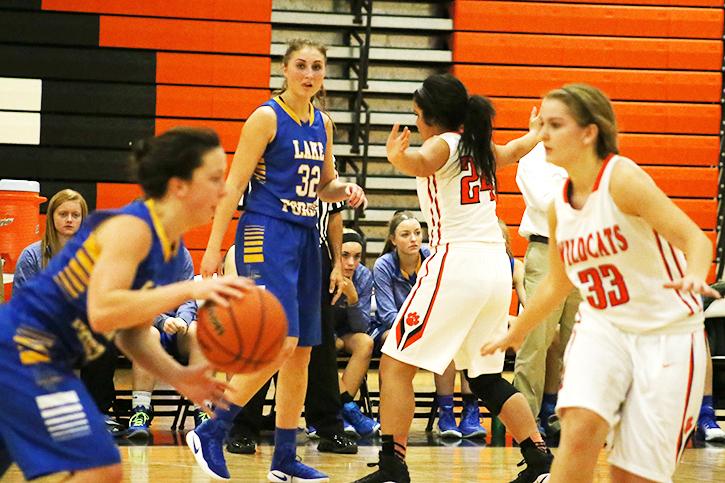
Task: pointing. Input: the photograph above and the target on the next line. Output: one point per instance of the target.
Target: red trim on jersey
(697, 300)
(684, 430)
(669, 272)
(567, 183)
(432, 214)
(601, 171)
(438, 210)
(401, 323)
(417, 333)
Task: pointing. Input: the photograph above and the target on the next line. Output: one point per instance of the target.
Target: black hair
(173, 154)
(444, 102)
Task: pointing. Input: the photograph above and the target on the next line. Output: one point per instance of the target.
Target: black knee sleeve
(492, 389)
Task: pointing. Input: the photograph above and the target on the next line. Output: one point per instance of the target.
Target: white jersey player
(634, 366)
(463, 291)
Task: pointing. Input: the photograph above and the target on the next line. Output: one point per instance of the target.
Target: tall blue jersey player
(285, 150)
(101, 283)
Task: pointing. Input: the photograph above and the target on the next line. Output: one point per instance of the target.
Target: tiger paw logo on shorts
(412, 318)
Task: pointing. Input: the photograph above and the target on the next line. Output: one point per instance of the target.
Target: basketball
(245, 336)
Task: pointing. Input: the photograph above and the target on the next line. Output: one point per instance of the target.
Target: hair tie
(352, 236)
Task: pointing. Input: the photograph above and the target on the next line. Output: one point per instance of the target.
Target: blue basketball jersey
(284, 184)
(50, 312)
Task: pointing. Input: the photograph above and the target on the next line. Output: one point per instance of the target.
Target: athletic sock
(528, 443)
(284, 447)
(550, 399)
(445, 401)
(141, 398)
(469, 399)
(345, 398)
(226, 416)
(390, 447)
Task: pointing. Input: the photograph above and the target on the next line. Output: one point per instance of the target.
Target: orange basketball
(245, 336)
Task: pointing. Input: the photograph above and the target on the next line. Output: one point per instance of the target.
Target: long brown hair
(589, 105)
(399, 217)
(295, 45)
(50, 244)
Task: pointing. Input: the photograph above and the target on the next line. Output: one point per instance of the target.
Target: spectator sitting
(351, 314)
(176, 331)
(395, 272)
(66, 211)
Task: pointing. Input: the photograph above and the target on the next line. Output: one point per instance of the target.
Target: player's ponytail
(444, 102)
(476, 138)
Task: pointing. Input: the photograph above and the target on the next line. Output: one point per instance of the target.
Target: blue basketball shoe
(364, 426)
(470, 425)
(288, 468)
(207, 443)
(447, 426)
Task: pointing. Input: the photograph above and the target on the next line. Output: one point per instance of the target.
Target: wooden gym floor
(167, 460)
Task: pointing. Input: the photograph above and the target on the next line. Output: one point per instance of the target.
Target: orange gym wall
(212, 68)
(659, 61)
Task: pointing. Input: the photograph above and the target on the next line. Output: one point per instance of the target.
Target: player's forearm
(549, 295)
(333, 191)
(122, 309)
(413, 163)
(222, 217)
(515, 149)
(698, 252)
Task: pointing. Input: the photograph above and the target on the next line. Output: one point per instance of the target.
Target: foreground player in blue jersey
(285, 150)
(101, 285)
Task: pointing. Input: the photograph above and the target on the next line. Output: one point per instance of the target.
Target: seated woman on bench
(352, 321)
(176, 330)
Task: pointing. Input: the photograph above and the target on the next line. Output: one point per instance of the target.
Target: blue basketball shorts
(48, 421)
(170, 343)
(284, 258)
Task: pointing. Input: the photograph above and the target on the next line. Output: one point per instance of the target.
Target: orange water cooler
(19, 223)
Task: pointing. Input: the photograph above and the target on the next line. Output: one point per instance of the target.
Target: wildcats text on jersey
(601, 243)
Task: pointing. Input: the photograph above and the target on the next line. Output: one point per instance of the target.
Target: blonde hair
(50, 244)
(295, 45)
(589, 105)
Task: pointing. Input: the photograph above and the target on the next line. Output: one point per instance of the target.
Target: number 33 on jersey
(619, 263)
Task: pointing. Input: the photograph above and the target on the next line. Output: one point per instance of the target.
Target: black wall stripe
(93, 131)
(49, 28)
(22, 4)
(67, 164)
(78, 64)
(49, 188)
(96, 98)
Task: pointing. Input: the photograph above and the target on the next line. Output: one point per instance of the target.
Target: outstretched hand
(397, 143)
(535, 121)
(689, 283)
